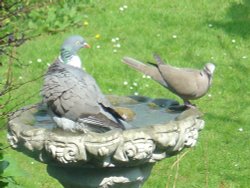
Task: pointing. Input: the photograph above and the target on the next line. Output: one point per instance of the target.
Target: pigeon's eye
(78, 42)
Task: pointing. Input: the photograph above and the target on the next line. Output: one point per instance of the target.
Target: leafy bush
(56, 16)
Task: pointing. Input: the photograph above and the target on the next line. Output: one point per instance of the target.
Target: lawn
(186, 34)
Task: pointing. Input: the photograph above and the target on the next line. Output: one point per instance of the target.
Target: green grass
(216, 31)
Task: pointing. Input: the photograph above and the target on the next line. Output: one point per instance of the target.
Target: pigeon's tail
(115, 115)
(151, 71)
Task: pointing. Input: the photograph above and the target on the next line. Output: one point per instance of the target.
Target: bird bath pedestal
(106, 160)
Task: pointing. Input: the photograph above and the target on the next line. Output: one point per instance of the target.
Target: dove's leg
(188, 104)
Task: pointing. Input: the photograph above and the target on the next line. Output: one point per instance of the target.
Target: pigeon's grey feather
(72, 94)
(187, 83)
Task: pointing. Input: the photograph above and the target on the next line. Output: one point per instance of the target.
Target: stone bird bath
(112, 159)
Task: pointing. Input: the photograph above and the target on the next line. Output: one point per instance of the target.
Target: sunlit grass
(185, 34)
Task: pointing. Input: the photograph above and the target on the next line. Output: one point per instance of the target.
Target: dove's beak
(86, 45)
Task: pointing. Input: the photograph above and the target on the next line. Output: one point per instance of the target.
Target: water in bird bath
(151, 111)
(43, 119)
(146, 112)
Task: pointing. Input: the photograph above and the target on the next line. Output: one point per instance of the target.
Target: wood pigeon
(73, 96)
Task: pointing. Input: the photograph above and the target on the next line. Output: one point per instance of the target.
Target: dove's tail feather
(158, 59)
(153, 64)
(151, 71)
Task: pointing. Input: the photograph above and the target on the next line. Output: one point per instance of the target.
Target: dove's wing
(185, 82)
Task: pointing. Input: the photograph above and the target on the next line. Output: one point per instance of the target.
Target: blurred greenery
(186, 34)
(37, 18)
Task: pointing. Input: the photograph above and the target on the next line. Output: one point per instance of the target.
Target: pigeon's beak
(86, 45)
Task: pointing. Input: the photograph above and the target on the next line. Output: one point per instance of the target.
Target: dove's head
(69, 50)
(209, 68)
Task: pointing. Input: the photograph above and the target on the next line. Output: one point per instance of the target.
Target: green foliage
(37, 17)
(56, 16)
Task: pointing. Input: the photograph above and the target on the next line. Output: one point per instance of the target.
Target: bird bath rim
(115, 148)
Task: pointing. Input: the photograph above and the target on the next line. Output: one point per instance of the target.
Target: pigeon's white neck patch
(73, 61)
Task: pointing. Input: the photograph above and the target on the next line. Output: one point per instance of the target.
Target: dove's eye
(78, 42)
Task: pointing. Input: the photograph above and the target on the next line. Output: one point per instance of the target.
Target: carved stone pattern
(113, 148)
(110, 181)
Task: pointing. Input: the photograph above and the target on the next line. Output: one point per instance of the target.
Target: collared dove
(188, 84)
(72, 95)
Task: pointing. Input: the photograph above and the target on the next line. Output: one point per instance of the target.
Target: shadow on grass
(235, 60)
(236, 22)
(237, 19)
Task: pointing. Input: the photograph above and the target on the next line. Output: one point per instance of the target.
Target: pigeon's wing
(96, 93)
(106, 109)
(73, 94)
(152, 71)
(65, 95)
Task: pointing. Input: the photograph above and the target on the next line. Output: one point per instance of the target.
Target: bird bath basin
(112, 159)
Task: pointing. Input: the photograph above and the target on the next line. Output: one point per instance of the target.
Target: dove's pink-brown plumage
(187, 83)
